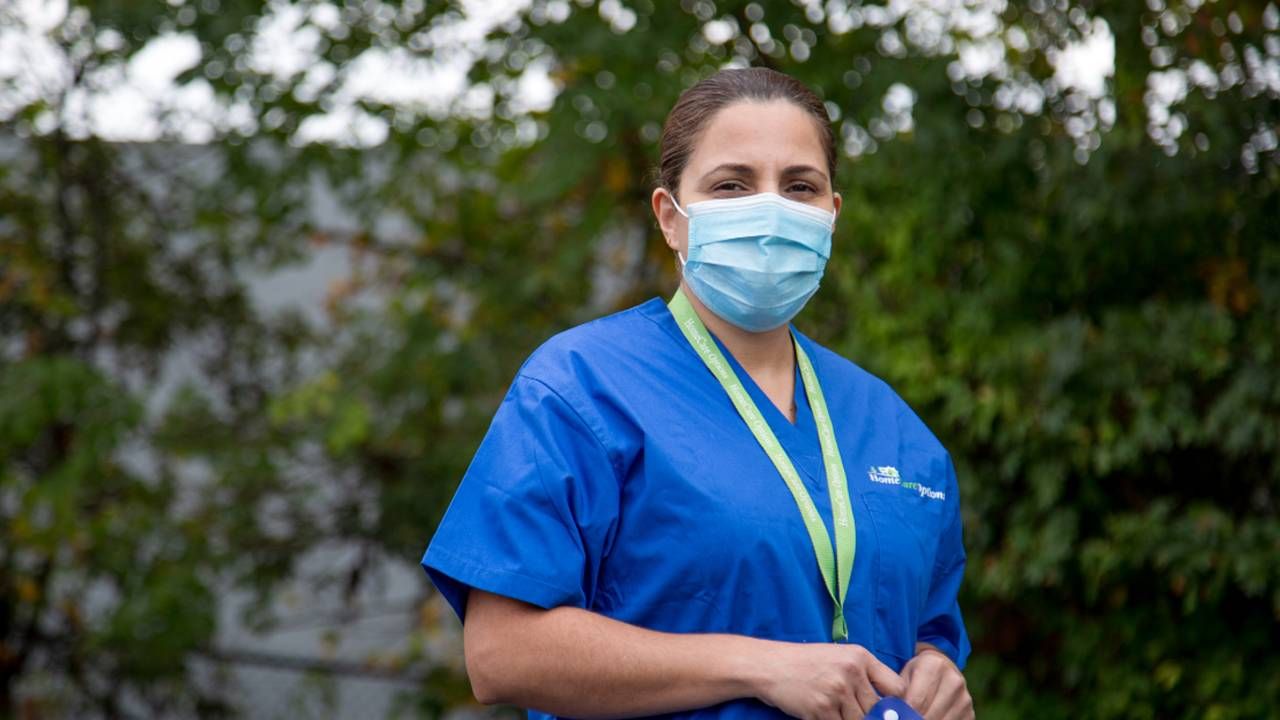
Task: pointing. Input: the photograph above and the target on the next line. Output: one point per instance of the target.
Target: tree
(1072, 277)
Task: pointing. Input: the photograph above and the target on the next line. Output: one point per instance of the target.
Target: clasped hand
(935, 686)
(843, 682)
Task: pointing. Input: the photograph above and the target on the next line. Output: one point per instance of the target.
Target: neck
(767, 353)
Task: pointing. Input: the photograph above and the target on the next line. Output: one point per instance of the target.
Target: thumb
(885, 680)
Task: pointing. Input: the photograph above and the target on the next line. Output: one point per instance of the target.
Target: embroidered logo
(885, 475)
(889, 475)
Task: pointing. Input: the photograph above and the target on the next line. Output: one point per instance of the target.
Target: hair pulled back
(699, 103)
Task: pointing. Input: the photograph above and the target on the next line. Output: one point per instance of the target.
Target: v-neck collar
(776, 418)
(800, 439)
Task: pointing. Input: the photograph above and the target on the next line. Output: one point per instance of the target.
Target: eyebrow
(750, 171)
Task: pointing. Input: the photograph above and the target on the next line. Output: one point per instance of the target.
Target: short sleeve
(941, 624)
(536, 510)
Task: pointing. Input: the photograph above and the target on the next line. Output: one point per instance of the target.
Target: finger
(885, 680)
(921, 686)
(909, 669)
(929, 705)
(866, 697)
(851, 708)
(962, 710)
(947, 701)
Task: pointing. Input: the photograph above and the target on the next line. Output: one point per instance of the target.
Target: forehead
(763, 134)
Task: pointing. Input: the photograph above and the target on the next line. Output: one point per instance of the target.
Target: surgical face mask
(756, 260)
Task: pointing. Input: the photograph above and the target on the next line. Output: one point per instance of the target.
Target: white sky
(128, 101)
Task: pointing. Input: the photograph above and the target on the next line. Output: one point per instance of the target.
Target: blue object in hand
(892, 708)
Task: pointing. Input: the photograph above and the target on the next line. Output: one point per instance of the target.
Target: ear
(669, 220)
(837, 201)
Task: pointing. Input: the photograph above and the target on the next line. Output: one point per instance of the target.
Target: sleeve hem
(946, 647)
(443, 566)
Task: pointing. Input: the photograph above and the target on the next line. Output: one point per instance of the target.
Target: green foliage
(95, 574)
(1080, 302)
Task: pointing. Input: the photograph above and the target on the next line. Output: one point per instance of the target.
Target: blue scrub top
(618, 477)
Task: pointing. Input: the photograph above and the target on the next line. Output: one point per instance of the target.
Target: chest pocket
(908, 524)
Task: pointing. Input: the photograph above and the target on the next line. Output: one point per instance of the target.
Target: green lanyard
(846, 542)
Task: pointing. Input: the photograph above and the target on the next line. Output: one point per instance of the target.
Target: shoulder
(599, 368)
(606, 344)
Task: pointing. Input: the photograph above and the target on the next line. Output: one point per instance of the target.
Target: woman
(648, 525)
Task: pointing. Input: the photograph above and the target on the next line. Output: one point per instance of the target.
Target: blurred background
(266, 271)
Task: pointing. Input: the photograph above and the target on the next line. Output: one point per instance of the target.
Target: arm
(573, 662)
(576, 663)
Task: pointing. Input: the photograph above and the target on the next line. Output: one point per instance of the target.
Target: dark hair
(697, 104)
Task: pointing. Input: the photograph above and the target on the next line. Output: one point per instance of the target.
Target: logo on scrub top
(889, 475)
(885, 475)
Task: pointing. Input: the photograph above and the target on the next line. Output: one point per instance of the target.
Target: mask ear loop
(677, 205)
(686, 215)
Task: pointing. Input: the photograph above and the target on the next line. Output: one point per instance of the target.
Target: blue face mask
(756, 260)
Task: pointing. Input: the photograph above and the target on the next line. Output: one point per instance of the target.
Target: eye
(729, 186)
(801, 187)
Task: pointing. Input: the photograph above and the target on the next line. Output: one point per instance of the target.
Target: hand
(935, 687)
(815, 681)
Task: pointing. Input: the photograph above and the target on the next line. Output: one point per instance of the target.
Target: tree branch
(294, 663)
